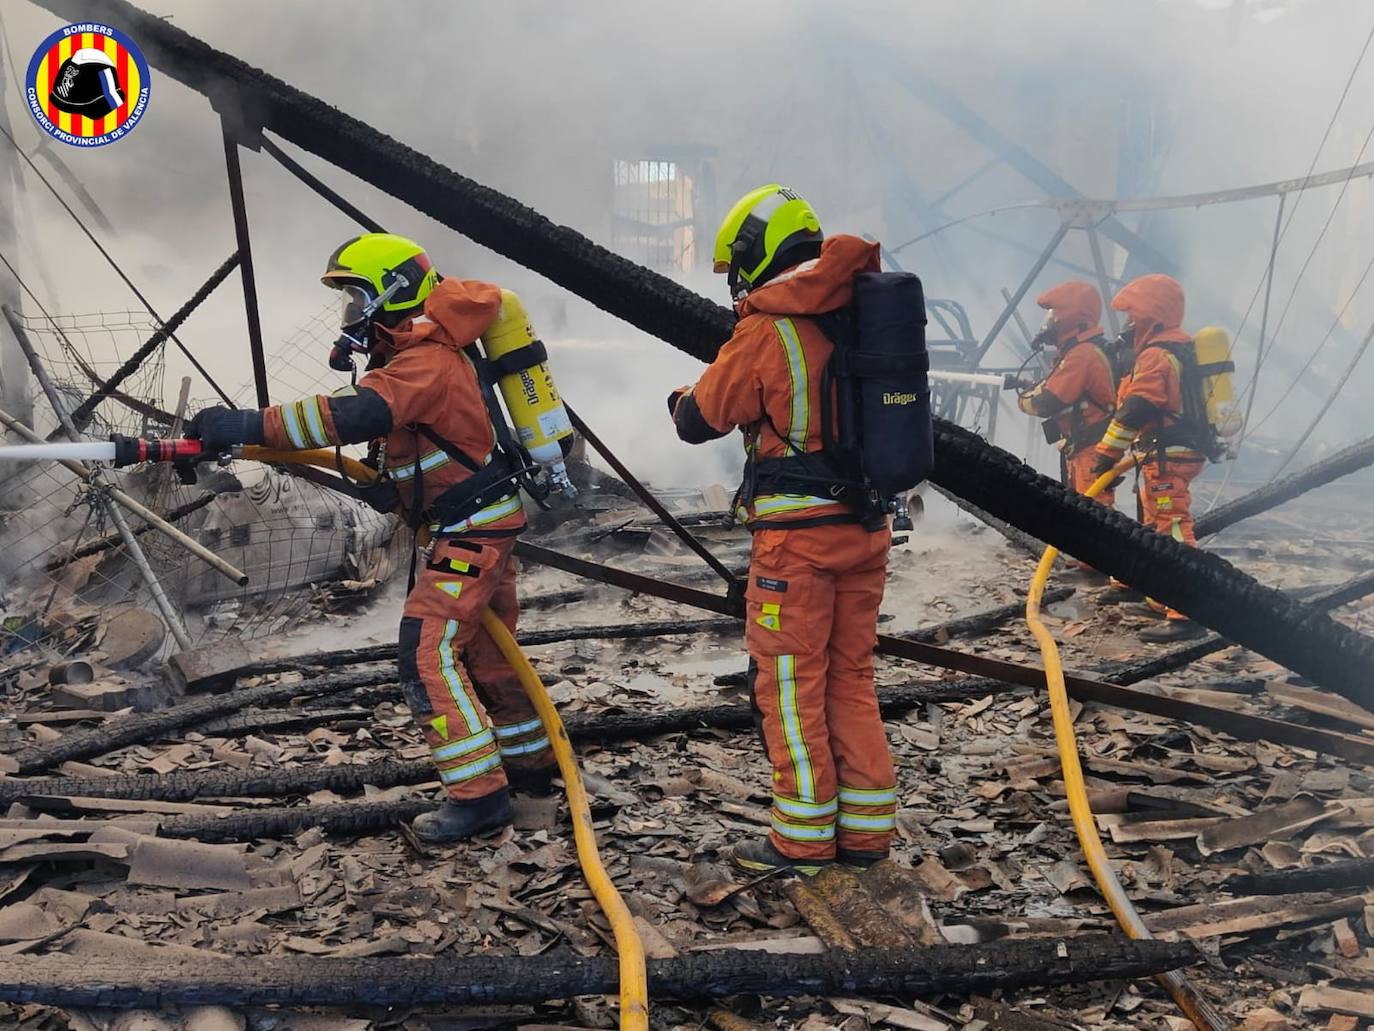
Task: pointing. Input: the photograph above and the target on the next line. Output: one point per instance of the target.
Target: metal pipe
(250, 284)
(164, 604)
(154, 520)
(1103, 283)
(73, 451)
(96, 478)
(315, 183)
(1035, 270)
(984, 378)
(646, 496)
(80, 224)
(1026, 335)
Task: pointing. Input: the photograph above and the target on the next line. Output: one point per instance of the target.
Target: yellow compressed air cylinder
(1212, 346)
(531, 396)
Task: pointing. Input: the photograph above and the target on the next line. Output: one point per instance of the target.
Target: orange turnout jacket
(427, 381)
(1079, 392)
(766, 379)
(1150, 399)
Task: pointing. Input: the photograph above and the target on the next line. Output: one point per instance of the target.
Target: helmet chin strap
(739, 286)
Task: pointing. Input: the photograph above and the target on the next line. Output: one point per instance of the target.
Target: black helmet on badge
(87, 85)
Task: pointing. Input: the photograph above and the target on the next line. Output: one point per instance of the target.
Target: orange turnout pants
(1166, 502)
(1081, 476)
(461, 691)
(812, 625)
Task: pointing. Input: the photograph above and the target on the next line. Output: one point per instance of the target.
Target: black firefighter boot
(458, 821)
(1117, 594)
(1172, 630)
(761, 857)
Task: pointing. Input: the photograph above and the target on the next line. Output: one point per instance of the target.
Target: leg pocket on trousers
(458, 576)
(408, 667)
(779, 619)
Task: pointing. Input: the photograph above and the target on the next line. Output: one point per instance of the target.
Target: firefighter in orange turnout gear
(421, 397)
(816, 574)
(1078, 397)
(1079, 394)
(1149, 417)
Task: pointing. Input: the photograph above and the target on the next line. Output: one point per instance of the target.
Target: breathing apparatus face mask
(1048, 335)
(357, 310)
(1126, 339)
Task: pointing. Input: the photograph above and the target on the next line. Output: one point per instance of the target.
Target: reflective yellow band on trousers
(801, 832)
(805, 810)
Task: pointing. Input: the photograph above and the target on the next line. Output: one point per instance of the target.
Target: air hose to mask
(1198, 1010)
(634, 988)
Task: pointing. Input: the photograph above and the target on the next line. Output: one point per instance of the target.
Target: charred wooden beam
(83, 412)
(180, 980)
(1344, 462)
(346, 819)
(983, 621)
(974, 623)
(858, 912)
(188, 785)
(130, 730)
(1349, 873)
(527, 638)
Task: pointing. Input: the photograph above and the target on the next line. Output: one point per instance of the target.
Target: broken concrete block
(203, 669)
(106, 695)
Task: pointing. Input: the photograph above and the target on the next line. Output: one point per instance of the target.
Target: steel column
(1103, 283)
(1007, 312)
(250, 286)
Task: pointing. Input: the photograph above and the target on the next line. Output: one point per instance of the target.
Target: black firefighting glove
(380, 494)
(1105, 464)
(673, 398)
(219, 428)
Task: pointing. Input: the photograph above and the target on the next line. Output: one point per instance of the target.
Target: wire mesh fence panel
(65, 572)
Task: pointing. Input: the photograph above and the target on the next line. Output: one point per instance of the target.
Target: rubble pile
(1260, 854)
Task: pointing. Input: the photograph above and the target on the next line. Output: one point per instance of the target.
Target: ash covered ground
(984, 838)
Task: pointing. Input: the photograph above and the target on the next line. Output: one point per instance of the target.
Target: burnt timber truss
(1202, 585)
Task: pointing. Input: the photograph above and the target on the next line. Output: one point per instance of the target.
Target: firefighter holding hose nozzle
(427, 402)
(825, 374)
(1076, 400)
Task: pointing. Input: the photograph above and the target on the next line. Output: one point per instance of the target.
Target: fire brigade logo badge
(87, 85)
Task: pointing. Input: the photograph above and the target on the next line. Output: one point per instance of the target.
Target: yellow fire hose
(1198, 1010)
(634, 987)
